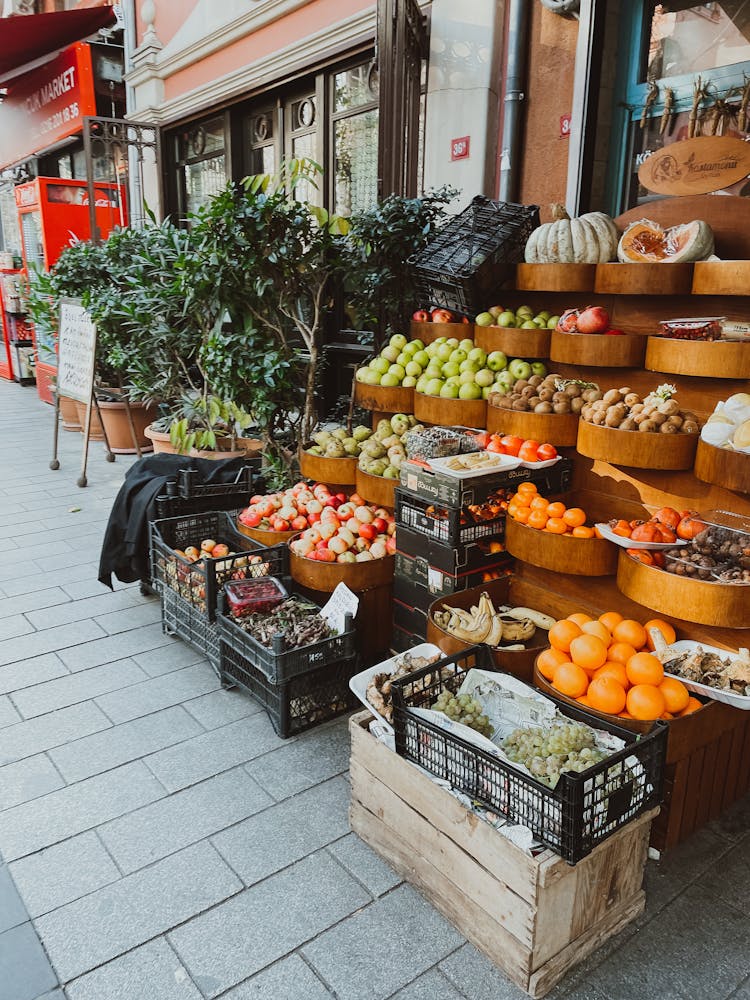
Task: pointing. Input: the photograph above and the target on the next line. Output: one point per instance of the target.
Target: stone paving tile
(170, 824)
(76, 611)
(33, 602)
(469, 971)
(431, 986)
(8, 713)
(289, 979)
(383, 947)
(116, 647)
(364, 864)
(213, 752)
(729, 879)
(63, 873)
(219, 708)
(38, 580)
(159, 692)
(164, 660)
(59, 815)
(80, 589)
(28, 779)
(84, 934)
(742, 992)
(314, 756)
(151, 972)
(37, 643)
(115, 746)
(14, 626)
(37, 735)
(735, 823)
(26, 673)
(43, 549)
(696, 944)
(25, 972)
(679, 867)
(65, 560)
(143, 613)
(75, 688)
(12, 910)
(287, 832)
(244, 935)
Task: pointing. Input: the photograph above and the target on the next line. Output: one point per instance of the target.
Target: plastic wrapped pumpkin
(647, 242)
(589, 239)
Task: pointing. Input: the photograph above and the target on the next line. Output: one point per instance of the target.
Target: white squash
(590, 239)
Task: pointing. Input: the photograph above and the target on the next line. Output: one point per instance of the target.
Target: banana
(496, 632)
(539, 619)
(518, 630)
(477, 633)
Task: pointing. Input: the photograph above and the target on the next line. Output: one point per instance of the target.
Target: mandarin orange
(629, 630)
(644, 668)
(562, 634)
(664, 627)
(644, 701)
(549, 659)
(676, 695)
(588, 651)
(571, 680)
(610, 618)
(606, 695)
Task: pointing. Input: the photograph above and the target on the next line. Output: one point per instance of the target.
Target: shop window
(695, 37)
(355, 138)
(201, 164)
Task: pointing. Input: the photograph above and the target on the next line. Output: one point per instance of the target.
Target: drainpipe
(515, 78)
(135, 194)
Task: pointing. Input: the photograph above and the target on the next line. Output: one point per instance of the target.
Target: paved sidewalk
(161, 843)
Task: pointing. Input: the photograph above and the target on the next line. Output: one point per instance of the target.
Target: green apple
(469, 366)
(444, 352)
(421, 384)
(542, 314)
(552, 322)
(470, 390)
(497, 361)
(419, 344)
(453, 380)
(434, 370)
(380, 365)
(398, 340)
(397, 371)
(485, 319)
(413, 370)
(434, 386)
(499, 388)
(403, 359)
(495, 311)
(466, 345)
(431, 350)
(519, 368)
(390, 353)
(487, 391)
(506, 378)
(440, 340)
(538, 368)
(411, 349)
(484, 377)
(449, 391)
(408, 382)
(458, 355)
(421, 358)
(390, 380)
(453, 342)
(365, 375)
(450, 368)
(529, 324)
(478, 355)
(506, 319)
(467, 377)
(524, 309)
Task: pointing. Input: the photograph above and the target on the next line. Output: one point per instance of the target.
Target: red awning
(26, 39)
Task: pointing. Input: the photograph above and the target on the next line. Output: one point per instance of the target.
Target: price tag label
(342, 600)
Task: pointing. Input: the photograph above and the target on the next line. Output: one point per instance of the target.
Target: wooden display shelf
(721, 277)
(325, 577)
(429, 332)
(265, 537)
(637, 450)
(384, 399)
(643, 279)
(506, 590)
(534, 917)
(555, 277)
(376, 490)
(706, 358)
(560, 553)
(513, 341)
(450, 412)
(598, 351)
(723, 604)
(331, 471)
(722, 467)
(559, 429)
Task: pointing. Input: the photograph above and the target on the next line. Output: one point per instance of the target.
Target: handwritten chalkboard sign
(76, 352)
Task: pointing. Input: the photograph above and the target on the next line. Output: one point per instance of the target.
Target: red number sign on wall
(460, 148)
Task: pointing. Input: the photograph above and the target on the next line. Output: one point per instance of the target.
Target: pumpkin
(589, 239)
(647, 242)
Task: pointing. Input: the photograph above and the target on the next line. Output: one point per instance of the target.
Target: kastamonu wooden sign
(696, 166)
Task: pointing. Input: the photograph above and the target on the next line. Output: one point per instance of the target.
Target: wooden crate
(535, 918)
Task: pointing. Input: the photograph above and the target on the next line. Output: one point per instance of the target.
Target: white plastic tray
(542, 465)
(503, 464)
(628, 543)
(359, 682)
(728, 697)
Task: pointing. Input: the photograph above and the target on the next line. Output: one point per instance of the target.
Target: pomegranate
(568, 321)
(593, 319)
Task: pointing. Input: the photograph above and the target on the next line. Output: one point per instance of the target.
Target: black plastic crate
(279, 665)
(410, 619)
(452, 559)
(443, 523)
(180, 618)
(200, 585)
(435, 582)
(297, 704)
(583, 809)
(464, 264)
(186, 494)
(402, 641)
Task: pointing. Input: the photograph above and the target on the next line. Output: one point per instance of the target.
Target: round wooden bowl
(450, 412)
(376, 490)
(635, 449)
(560, 429)
(709, 358)
(724, 604)
(325, 577)
(385, 399)
(722, 466)
(560, 553)
(598, 351)
(429, 332)
(265, 537)
(514, 342)
(721, 277)
(643, 279)
(331, 471)
(555, 277)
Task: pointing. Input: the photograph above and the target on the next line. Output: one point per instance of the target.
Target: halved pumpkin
(647, 242)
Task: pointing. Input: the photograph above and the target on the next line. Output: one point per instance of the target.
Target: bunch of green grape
(548, 751)
(464, 709)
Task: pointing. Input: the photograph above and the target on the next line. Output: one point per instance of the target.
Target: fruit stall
(529, 559)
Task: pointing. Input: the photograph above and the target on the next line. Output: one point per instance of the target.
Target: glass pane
(263, 160)
(305, 146)
(202, 180)
(356, 158)
(692, 37)
(355, 87)
(208, 137)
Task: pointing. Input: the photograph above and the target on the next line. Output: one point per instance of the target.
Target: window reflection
(690, 37)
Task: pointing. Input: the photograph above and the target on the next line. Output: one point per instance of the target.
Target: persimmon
(668, 516)
(665, 628)
(562, 634)
(549, 660)
(574, 517)
(644, 668)
(622, 528)
(642, 556)
(689, 527)
(646, 533)
(606, 695)
(570, 679)
(644, 701)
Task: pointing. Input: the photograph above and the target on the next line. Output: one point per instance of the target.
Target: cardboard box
(440, 487)
(453, 559)
(439, 583)
(410, 619)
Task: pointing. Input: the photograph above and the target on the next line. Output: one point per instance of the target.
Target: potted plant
(205, 426)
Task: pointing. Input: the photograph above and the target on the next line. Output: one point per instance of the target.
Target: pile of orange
(528, 507)
(608, 664)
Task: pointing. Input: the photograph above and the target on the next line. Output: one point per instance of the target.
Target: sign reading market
(47, 104)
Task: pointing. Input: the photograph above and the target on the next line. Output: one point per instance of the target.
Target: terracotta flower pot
(160, 440)
(69, 414)
(117, 426)
(96, 433)
(162, 445)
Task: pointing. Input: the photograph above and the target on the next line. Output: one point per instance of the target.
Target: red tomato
(511, 443)
(546, 452)
(528, 452)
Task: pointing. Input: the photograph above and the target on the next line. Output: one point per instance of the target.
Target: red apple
(299, 523)
(593, 319)
(421, 316)
(367, 531)
(442, 316)
(252, 520)
(380, 525)
(325, 555)
(615, 333)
